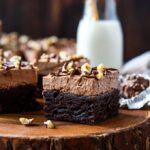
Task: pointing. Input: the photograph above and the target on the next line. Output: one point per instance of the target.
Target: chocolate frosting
(82, 85)
(15, 77)
(11, 76)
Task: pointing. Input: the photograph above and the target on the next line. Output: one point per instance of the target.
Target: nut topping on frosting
(17, 64)
(99, 75)
(64, 68)
(86, 69)
(16, 60)
(100, 70)
(49, 124)
(70, 67)
(26, 121)
(64, 55)
(44, 57)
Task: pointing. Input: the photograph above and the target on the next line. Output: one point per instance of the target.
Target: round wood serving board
(128, 130)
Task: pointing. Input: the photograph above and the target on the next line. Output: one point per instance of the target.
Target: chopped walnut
(70, 67)
(26, 121)
(99, 75)
(49, 124)
(16, 60)
(86, 69)
(100, 68)
(64, 55)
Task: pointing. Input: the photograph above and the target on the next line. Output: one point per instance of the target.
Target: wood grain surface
(130, 129)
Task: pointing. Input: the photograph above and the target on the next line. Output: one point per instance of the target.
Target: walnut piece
(86, 68)
(26, 121)
(49, 124)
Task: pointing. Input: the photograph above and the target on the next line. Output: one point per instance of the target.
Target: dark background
(40, 18)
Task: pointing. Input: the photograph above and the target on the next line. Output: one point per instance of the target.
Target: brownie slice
(18, 82)
(81, 94)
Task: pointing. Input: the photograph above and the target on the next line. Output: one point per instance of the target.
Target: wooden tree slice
(130, 130)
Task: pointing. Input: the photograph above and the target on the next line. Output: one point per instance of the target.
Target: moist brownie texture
(18, 81)
(82, 109)
(18, 99)
(81, 97)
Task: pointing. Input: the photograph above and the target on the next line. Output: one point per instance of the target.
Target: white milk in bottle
(100, 40)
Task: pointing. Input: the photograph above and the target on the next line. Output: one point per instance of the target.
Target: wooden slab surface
(10, 125)
(132, 127)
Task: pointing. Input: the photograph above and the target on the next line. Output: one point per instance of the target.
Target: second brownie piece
(84, 95)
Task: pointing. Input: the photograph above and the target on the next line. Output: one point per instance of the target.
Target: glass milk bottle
(99, 34)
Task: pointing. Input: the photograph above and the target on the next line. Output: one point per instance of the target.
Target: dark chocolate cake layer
(39, 86)
(82, 109)
(18, 99)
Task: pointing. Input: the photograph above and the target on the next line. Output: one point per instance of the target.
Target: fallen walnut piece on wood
(49, 124)
(26, 121)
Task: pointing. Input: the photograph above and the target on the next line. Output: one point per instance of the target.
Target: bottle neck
(90, 10)
(106, 9)
(110, 10)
